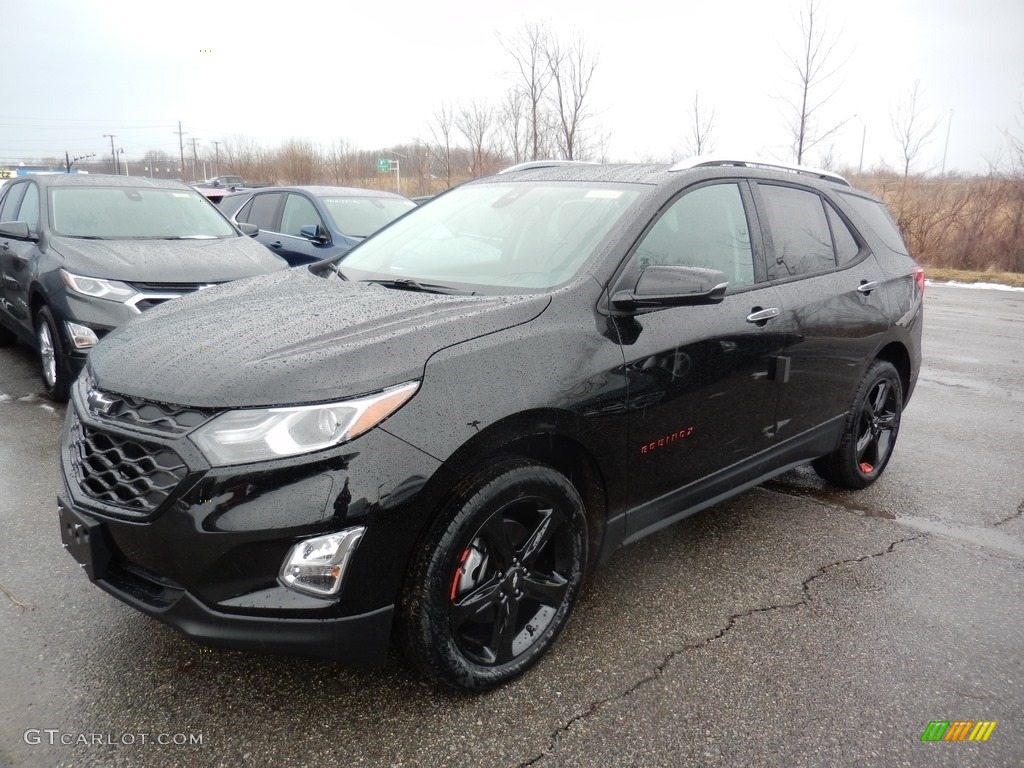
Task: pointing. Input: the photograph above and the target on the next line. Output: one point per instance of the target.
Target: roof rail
(703, 161)
(544, 164)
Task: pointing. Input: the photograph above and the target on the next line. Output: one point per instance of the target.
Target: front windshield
(530, 235)
(362, 216)
(134, 213)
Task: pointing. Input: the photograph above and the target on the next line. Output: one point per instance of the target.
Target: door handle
(277, 244)
(760, 316)
(867, 286)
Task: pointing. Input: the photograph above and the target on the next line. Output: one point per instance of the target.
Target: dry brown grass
(945, 275)
(974, 224)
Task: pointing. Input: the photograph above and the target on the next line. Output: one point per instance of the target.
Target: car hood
(167, 261)
(292, 337)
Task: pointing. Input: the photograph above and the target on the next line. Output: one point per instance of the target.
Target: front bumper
(360, 641)
(204, 555)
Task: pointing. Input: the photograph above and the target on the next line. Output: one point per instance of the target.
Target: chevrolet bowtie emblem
(100, 403)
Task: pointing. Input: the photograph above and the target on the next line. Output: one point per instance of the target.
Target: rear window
(878, 218)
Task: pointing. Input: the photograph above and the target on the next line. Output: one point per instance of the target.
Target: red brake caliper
(458, 573)
(865, 468)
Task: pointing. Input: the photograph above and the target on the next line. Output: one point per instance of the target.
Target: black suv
(433, 438)
(82, 254)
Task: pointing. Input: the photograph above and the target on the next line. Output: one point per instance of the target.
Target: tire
(497, 578)
(54, 366)
(869, 434)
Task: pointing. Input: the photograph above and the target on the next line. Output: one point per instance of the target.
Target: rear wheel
(498, 577)
(53, 359)
(869, 434)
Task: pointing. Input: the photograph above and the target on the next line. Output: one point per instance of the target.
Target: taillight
(919, 279)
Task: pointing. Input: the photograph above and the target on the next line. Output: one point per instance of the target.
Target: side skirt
(652, 516)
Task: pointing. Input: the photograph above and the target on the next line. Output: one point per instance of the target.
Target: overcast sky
(374, 73)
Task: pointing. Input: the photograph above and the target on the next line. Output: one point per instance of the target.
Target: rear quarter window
(878, 218)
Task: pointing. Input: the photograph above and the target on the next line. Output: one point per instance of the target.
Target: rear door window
(262, 211)
(799, 231)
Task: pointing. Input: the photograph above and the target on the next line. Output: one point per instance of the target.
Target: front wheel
(869, 434)
(498, 576)
(53, 359)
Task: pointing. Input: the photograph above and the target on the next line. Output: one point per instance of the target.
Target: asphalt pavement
(794, 625)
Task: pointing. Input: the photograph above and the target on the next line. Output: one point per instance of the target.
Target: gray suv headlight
(260, 434)
(98, 288)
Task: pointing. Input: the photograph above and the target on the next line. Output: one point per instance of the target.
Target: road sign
(383, 166)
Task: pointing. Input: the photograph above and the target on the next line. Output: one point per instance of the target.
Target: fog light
(317, 566)
(82, 336)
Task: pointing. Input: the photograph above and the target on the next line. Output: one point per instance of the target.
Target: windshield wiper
(189, 237)
(408, 284)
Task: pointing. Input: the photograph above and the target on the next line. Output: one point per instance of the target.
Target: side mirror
(18, 229)
(668, 286)
(314, 232)
(248, 229)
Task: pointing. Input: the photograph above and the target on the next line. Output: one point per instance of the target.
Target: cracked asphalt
(795, 625)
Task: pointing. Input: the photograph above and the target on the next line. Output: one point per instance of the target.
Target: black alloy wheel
(870, 432)
(53, 359)
(498, 577)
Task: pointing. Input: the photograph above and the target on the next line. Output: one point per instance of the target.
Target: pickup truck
(215, 188)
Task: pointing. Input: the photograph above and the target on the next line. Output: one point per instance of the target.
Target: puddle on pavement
(807, 485)
(983, 537)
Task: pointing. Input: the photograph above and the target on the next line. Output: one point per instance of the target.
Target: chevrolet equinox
(429, 441)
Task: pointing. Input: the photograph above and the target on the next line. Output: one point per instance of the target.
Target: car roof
(103, 180)
(695, 169)
(322, 191)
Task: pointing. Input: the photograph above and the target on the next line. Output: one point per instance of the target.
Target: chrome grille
(133, 475)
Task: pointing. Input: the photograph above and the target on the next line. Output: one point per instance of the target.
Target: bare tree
(814, 68)
(476, 123)
(441, 148)
(513, 126)
(528, 47)
(298, 161)
(572, 69)
(699, 142)
(912, 128)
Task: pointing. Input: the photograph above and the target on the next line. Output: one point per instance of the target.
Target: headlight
(114, 290)
(259, 434)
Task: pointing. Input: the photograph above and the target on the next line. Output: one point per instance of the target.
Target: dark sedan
(80, 255)
(308, 224)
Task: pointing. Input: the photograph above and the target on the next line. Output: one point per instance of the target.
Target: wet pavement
(793, 625)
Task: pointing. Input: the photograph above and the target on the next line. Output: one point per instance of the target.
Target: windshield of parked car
(134, 213)
(362, 216)
(529, 235)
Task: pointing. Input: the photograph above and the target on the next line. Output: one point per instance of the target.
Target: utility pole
(195, 158)
(216, 162)
(70, 161)
(945, 149)
(113, 154)
(181, 152)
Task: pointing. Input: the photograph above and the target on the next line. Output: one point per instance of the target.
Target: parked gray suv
(80, 255)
